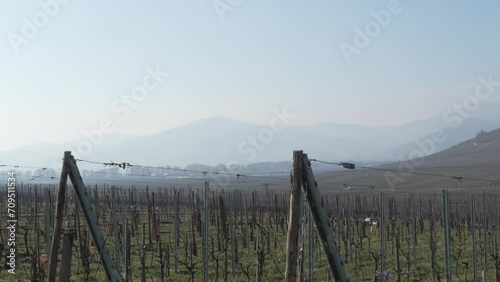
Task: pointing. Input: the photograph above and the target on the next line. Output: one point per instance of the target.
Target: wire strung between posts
(458, 178)
(20, 166)
(242, 179)
(351, 184)
(239, 176)
(344, 184)
(343, 164)
(127, 165)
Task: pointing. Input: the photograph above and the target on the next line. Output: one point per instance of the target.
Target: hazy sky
(70, 72)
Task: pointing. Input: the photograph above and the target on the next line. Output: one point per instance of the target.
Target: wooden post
(293, 227)
(112, 274)
(325, 231)
(65, 271)
(81, 241)
(54, 250)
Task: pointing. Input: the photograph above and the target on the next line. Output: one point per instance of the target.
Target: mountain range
(221, 140)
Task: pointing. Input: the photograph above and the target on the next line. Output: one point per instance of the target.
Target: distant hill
(477, 158)
(222, 140)
(468, 129)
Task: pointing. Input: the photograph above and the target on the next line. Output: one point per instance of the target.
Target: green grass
(360, 267)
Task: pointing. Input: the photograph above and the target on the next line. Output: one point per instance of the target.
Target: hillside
(222, 140)
(477, 158)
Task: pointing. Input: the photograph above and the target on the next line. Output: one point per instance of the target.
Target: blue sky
(262, 55)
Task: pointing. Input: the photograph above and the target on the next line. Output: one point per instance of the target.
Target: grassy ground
(362, 263)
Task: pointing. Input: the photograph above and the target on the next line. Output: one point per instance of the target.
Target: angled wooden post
(325, 231)
(112, 274)
(70, 169)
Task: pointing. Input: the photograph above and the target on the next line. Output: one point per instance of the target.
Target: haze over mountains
(221, 140)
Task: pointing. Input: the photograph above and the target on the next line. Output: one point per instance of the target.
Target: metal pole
(176, 230)
(124, 233)
(311, 247)
(446, 234)
(37, 240)
(205, 234)
(382, 237)
(233, 236)
(473, 223)
(247, 235)
(495, 232)
(128, 265)
(115, 228)
(485, 232)
(48, 220)
(414, 225)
